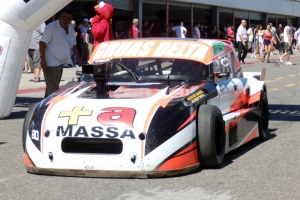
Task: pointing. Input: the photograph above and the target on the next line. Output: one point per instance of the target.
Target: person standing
(73, 57)
(203, 32)
(196, 31)
(273, 41)
(267, 43)
(180, 30)
(260, 45)
(287, 32)
(133, 31)
(90, 39)
(280, 40)
(241, 38)
(79, 38)
(85, 52)
(147, 29)
(55, 45)
(34, 56)
(230, 35)
(297, 36)
(250, 37)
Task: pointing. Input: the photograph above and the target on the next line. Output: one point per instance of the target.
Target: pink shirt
(230, 32)
(134, 31)
(241, 31)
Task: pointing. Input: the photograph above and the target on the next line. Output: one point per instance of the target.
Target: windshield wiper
(136, 79)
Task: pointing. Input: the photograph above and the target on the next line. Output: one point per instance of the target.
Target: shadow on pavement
(3, 143)
(279, 112)
(22, 102)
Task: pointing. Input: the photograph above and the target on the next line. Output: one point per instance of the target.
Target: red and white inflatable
(18, 18)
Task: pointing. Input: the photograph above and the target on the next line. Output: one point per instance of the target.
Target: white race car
(147, 108)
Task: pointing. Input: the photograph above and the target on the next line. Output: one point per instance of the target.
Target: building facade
(163, 13)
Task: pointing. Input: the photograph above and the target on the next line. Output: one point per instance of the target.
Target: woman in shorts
(267, 43)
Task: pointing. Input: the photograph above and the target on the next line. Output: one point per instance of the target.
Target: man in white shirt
(242, 38)
(55, 46)
(196, 33)
(287, 32)
(180, 30)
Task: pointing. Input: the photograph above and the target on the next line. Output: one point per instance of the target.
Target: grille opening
(92, 145)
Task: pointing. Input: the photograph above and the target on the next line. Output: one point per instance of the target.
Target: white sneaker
(280, 60)
(289, 63)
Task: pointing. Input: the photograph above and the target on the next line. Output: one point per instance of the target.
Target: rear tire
(211, 136)
(263, 116)
(28, 117)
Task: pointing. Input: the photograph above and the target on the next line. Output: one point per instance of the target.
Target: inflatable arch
(18, 18)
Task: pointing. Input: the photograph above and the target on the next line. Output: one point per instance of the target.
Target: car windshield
(154, 69)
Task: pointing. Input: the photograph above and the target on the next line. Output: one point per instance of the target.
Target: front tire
(263, 116)
(211, 136)
(28, 117)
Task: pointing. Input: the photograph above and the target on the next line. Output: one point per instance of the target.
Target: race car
(147, 108)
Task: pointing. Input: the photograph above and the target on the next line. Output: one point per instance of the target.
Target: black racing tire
(211, 136)
(263, 116)
(28, 117)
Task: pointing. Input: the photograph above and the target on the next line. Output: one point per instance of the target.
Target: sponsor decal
(35, 135)
(154, 48)
(1, 49)
(219, 48)
(116, 116)
(75, 114)
(196, 96)
(96, 132)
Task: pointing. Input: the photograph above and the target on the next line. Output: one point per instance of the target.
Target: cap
(85, 20)
(72, 22)
(135, 20)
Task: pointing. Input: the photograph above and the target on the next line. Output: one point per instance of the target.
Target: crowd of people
(68, 43)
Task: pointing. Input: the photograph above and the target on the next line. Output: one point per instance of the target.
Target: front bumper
(112, 173)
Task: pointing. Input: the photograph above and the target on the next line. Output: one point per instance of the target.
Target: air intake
(92, 145)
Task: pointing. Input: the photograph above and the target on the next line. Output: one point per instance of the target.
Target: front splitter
(112, 173)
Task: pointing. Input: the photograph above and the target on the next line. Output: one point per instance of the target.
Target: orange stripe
(193, 115)
(27, 160)
(254, 98)
(52, 102)
(185, 158)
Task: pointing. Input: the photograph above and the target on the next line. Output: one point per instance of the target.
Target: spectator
(250, 37)
(287, 32)
(280, 41)
(225, 28)
(79, 39)
(294, 38)
(26, 66)
(273, 40)
(133, 31)
(267, 43)
(73, 57)
(147, 29)
(180, 30)
(55, 46)
(260, 45)
(85, 52)
(255, 41)
(196, 31)
(297, 36)
(90, 39)
(203, 32)
(215, 32)
(34, 56)
(241, 38)
(230, 34)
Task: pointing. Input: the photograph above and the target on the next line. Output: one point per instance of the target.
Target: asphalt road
(258, 170)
